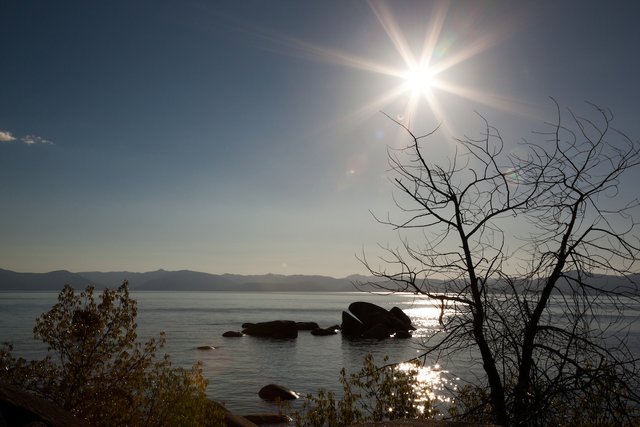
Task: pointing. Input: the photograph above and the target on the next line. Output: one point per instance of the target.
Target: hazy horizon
(251, 137)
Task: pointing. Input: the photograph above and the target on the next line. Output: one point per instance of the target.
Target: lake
(239, 367)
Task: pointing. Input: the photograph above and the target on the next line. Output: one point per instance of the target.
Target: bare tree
(523, 243)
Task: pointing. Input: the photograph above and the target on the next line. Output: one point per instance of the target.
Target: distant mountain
(187, 280)
(54, 280)
(161, 280)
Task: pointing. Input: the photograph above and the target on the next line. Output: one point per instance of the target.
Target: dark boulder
(278, 329)
(247, 325)
(402, 316)
(351, 327)
(371, 314)
(307, 326)
(368, 320)
(232, 334)
(321, 332)
(402, 334)
(368, 313)
(273, 392)
(378, 331)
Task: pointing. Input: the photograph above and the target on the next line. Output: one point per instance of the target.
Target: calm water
(239, 367)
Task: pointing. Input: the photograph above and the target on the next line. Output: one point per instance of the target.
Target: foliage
(374, 393)
(514, 244)
(96, 369)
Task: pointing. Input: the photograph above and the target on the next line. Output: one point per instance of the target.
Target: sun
(418, 80)
(421, 77)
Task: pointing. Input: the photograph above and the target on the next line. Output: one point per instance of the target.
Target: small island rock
(273, 392)
(278, 329)
(321, 332)
(351, 327)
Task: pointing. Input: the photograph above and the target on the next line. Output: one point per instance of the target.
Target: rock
(232, 420)
(371, 314)
(261, 419)
(320, 332)
(402, 334)
(273, 392)
(21, 408)
(206, 347)
(307, 326)
(247, 325)
(351, 327)
(378, 331)
(278, 329)
(368, 313)
(334, 327)
(232, 334)
(368, 320)
(402, 316)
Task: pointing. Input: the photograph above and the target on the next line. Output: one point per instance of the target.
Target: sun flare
(420, 77)
(418, 80)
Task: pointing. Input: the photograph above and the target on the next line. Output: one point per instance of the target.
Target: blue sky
(249, 136)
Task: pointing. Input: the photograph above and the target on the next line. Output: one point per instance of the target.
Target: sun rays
(420, 74)
(421, 77)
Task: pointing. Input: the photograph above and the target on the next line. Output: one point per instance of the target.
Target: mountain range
(187, 280)
(184, 280)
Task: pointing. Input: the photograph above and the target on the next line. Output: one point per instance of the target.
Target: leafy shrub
(372, 394)
(96, 369)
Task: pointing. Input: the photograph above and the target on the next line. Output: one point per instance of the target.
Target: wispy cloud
(33, 140)
(6, 136)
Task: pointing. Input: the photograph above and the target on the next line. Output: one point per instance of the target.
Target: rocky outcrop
(402, 316)
(232, 334)
(272, 392)
(378, 331)
(351, 327)
(278, 329)
(372, 321)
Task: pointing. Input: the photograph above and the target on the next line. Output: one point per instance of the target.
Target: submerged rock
(232, 334)
(273, 392)
(206, 347)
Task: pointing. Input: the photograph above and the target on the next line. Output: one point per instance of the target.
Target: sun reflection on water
(431, 384)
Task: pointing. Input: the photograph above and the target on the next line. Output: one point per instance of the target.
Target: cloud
(33, 140)
(5, 136)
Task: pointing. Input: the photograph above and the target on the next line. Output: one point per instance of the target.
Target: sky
(251, 137)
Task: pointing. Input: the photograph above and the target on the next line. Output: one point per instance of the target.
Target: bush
(96, 369)
(372, 394)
